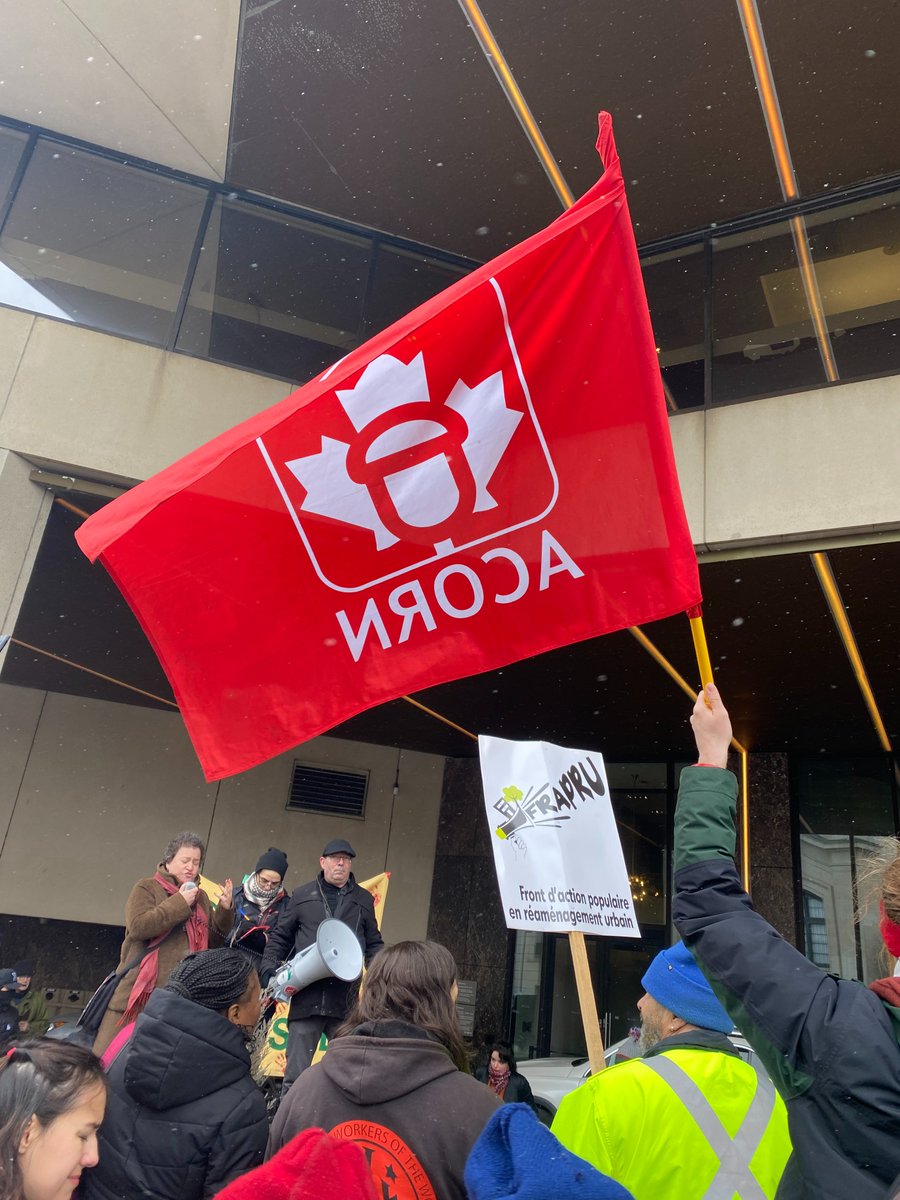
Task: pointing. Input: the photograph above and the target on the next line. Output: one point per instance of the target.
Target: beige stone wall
(109, 406)
(23, 514)
(153, 80)
(90, 792)
(815, 464)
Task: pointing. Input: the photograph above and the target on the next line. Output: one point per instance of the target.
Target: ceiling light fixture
(768, 98)
(513, 93)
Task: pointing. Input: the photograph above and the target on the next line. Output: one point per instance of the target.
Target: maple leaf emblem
(409, 465)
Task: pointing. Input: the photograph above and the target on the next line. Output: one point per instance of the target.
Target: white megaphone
(334, 952)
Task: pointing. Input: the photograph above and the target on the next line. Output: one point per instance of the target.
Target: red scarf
(196, 927)
(887, 990)
(498, 1079)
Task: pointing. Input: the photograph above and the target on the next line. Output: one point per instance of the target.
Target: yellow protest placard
(212, 889)
(378, 886)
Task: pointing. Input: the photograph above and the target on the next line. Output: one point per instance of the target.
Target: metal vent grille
(327, 790)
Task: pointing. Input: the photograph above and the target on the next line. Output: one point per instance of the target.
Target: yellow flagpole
(701, 650)
(698, 633)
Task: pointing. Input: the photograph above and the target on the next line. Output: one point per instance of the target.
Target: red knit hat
(312, 1166)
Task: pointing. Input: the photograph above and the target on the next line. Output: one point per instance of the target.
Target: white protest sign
(556, 847)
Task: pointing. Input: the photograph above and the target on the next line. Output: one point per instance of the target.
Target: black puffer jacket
(297, 928)
(184, 1116)
(9, 1017)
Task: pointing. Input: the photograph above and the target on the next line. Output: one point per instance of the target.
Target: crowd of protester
(393, 1109)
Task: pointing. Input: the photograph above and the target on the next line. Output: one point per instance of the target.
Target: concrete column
(24, 508)
(771, 852)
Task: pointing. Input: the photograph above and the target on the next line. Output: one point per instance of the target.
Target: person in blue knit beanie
(675, 981)
(517, 1158)
(690, 1118)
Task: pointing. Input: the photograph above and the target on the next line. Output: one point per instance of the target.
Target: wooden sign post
(587, 1002)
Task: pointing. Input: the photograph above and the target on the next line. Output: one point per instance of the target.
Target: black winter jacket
(297, 928)
(518, 1090)
(830, 1045)
(394, 1090)
(184, 1117)
(251, 931)
(9, 1018)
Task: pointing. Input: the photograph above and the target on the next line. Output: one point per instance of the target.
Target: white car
(554, 1077)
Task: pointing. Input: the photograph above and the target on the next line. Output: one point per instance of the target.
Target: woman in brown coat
(172, 915)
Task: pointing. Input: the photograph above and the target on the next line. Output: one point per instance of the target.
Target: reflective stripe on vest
(734, 1154)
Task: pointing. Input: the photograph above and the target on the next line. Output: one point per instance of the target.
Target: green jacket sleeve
(705, 822)
(34, 1011)
(771, 991)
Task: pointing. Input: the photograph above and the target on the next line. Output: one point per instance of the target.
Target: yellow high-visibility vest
(689, 1124)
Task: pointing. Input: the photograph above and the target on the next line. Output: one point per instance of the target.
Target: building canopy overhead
(387, 112)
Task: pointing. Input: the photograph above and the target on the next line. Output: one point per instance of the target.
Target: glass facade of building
(846, 813)
(144, 252)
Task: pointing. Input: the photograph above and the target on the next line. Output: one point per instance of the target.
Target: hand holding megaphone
(335, 952)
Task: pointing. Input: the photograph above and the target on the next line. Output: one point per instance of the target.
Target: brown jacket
(150, 911)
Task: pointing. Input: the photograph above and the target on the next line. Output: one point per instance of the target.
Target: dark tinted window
(763, 336)
(402, 280)
(100, 243)
(857, 257)
(275, 293)
(12, 143)
(674, 284)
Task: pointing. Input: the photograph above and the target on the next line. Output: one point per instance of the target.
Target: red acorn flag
(489, 478)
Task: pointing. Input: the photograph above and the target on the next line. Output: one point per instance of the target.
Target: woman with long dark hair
(52, 1101)
(395, 1078)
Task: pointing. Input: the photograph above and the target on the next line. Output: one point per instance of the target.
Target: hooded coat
(394, 1090)
(9, 1017)
(184, 1116)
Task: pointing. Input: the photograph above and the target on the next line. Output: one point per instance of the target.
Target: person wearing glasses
(322, 1005)
(258, 904)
